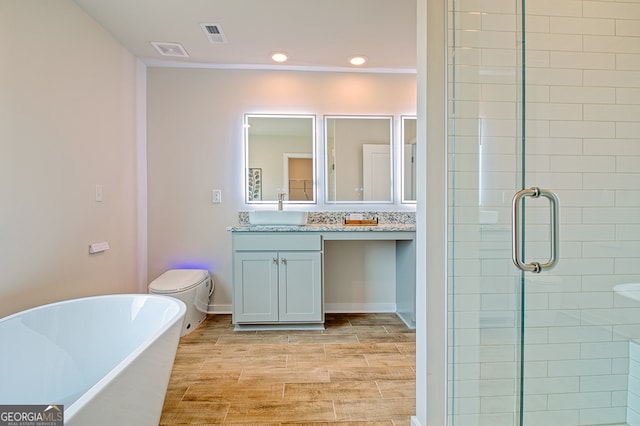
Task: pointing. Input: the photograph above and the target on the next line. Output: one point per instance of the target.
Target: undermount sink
(629, 290)
(274, 217)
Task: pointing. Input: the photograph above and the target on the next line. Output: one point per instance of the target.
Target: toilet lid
(178, 280)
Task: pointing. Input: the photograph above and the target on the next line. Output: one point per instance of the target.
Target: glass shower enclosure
(544, 134)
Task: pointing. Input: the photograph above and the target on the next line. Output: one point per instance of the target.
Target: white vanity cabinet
(277, 278)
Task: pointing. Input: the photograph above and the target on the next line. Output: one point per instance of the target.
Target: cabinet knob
(275, 260)
(284, 261)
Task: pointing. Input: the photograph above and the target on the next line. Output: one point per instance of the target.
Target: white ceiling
(317, 34)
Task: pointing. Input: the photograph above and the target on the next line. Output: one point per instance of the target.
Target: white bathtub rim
(70, 410)
(117, 370)
(88, 298)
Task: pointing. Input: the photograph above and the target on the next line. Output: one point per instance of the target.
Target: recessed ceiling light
(279, 57)
(357, 60)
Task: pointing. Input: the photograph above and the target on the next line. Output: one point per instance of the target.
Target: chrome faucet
(280, 200)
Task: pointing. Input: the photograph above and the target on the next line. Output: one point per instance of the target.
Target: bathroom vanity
(278, 271)
(277, 278)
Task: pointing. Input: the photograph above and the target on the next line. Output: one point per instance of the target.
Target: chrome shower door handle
(516, 229)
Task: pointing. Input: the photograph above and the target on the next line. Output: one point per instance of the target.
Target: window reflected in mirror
(408, 159)
(279, 158)
(359, 158)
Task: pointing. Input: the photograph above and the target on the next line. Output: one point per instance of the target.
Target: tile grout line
(379, 390)
(226, 414)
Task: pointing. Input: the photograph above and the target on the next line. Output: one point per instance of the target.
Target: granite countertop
(325, 227)
(334, 222)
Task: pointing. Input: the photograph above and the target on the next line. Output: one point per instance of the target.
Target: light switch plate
(216, 196)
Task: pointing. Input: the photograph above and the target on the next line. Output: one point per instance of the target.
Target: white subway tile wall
(582, 140)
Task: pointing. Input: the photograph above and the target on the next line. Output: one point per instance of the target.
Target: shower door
(544, 94)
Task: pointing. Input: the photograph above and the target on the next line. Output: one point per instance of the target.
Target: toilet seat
(177, 280)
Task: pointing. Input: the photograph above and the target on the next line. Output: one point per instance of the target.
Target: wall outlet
(216, 196)
(98, 193)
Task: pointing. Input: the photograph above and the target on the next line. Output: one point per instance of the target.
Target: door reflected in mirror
(279, 158)
(408, 159)
(359, 159)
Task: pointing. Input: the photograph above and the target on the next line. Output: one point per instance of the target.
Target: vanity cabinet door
(300, 286)
(255, 287)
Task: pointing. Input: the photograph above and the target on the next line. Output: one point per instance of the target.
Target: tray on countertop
(360, 222)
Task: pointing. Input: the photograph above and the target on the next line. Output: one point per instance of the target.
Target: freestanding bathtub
(107, 359)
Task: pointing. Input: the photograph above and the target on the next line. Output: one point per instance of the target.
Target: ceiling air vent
(214, 33)
(170, 49)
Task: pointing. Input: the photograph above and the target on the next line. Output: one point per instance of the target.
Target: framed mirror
(279, 158)
(359, 159)
(408, 130)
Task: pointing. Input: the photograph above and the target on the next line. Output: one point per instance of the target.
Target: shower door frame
(431, 253)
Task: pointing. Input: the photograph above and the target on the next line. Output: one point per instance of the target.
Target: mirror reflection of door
(376, 167)
(299, 177)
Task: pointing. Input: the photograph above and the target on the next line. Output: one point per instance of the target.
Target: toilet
(193, 286)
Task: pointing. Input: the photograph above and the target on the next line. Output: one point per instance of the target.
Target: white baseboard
(220, 309)
(347, 308)
(331, 308)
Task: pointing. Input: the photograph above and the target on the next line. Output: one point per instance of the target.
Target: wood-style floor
(359, 370)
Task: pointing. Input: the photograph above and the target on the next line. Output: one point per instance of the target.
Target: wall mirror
(359, 159)
(279, 158)
(408, 130)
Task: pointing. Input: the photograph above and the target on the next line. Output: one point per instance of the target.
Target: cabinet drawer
(276, 241)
